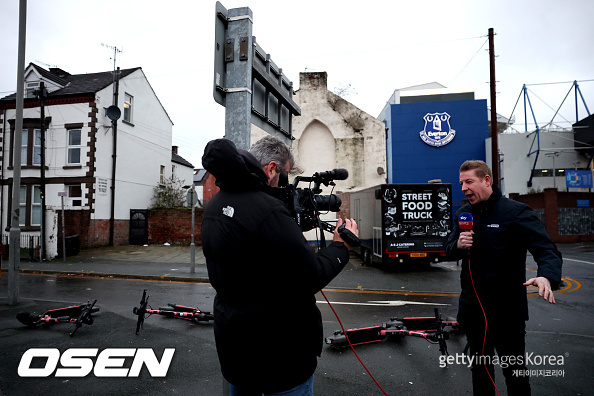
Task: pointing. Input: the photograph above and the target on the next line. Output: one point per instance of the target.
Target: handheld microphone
(465, 221)
(465, 224)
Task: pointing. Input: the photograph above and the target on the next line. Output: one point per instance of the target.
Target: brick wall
(76, 222)
(164, 225)
(99, 233)
(174, 226)
(564, 221)
(210, 189)
(345, 207)
(91, 233)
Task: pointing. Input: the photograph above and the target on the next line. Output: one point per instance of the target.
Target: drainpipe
(2, 174)
(42, 95)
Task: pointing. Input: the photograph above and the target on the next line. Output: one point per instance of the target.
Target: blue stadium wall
(411, 160)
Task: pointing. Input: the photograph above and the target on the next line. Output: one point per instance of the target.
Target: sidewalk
(156, 262)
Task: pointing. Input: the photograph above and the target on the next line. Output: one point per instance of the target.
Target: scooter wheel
(28, 319)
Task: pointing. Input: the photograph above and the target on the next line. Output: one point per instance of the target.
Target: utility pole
(42, 96)
(114, 124)
(192, 244)
(494, 137)
(114, 127)
(14, 261)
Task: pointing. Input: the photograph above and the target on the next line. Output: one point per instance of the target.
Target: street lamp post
(191, 199)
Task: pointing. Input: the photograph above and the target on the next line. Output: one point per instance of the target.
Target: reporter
(493, 307)
(264, 272)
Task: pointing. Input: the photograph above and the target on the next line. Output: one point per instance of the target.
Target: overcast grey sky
(376, 46)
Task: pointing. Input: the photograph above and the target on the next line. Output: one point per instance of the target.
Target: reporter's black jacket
(268, 329)
(504, 230)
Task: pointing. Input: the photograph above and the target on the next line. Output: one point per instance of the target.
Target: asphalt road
(362, 296)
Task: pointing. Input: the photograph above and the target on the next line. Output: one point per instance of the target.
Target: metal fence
(576, 221)
(29, 244)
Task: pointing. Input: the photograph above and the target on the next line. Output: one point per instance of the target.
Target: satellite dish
(113, 112)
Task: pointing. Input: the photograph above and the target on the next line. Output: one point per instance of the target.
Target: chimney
(174, 149)
(313, 80)
(59, 72)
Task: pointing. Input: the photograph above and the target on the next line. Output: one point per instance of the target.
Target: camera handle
(347, 236)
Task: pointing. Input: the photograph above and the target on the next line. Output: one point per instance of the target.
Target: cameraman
(268, 329)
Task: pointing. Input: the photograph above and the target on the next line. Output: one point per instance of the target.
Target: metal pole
(63, 230)
(42, 187)
(192, 245)
(494, 137)
(15, 231)
(525, 110)
(238, 77)
(114, 124)
(575, 88)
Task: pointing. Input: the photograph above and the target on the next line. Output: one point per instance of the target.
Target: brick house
(209, 188)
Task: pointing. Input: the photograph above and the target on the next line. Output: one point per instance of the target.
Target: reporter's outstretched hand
(544, 288)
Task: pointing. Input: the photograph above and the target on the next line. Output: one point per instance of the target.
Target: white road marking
(578, 261)
(397, 303)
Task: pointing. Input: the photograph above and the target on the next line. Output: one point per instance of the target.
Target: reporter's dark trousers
(505, 336)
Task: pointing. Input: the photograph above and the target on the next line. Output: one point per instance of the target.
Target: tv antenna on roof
(45, 64)
(115, 52)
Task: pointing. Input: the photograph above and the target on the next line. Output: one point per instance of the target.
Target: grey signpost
(248, 84)
(251, 87)
(192, 199)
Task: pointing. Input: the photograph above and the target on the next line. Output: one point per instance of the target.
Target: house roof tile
(180, 160)
(77, 83)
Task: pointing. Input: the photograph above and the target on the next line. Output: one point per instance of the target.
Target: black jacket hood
(234, 169)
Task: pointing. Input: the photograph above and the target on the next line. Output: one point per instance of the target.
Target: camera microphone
(334, 174)
(465, 221)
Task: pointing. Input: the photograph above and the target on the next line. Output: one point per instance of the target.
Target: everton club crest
(438, 131)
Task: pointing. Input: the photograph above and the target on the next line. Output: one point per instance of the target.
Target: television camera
(305, 204)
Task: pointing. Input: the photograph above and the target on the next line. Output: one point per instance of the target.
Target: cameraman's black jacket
(504, 230)
(268, 329)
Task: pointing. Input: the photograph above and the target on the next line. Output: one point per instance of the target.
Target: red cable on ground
(485, 337)
(351, 345)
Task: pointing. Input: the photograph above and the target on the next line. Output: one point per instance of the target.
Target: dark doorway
(138, 226)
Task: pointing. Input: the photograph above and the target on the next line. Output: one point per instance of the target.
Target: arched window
(317, 149)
